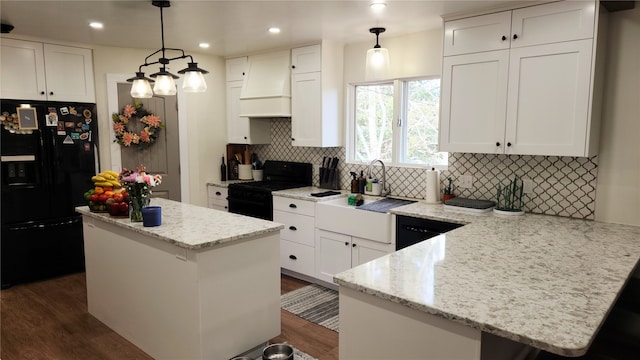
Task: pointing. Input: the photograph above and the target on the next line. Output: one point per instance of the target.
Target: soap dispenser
(354, 183)
(361, 182)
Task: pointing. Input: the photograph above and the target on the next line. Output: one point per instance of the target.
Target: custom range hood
(266, 91)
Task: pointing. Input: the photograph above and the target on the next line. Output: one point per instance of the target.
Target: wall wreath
(150, 124)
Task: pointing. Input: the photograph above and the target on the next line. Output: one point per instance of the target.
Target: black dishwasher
(411, 230)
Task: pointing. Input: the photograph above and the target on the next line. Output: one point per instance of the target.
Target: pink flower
(129, 110)
(151, 120)
(118, 128)
(145, 135)
(130, 138)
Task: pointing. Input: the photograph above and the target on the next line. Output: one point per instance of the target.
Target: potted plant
(448, 192)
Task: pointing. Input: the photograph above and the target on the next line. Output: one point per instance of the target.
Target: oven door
(249, 202)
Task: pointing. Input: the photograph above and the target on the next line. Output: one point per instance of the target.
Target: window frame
(400, 86)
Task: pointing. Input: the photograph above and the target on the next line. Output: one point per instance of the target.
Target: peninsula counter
(203, 285)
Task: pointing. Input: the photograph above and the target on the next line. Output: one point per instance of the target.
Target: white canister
(257, 174)
(244, 172)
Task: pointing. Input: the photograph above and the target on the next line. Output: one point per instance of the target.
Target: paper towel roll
(432, 191)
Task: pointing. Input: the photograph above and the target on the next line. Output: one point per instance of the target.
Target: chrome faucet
(385, 190)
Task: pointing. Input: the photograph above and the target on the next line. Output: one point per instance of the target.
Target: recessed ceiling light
(96, 25)
(274, 30)
(378, 5)
(204, 45)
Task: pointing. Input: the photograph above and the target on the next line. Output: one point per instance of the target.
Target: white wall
(418, 54)
(618, 186)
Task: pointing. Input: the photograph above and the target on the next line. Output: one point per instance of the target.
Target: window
(397, 122)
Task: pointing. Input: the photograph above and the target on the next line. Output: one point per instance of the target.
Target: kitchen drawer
(294, 206)
(218, 207)
(297, 228)
(217, 192)
(297, 257)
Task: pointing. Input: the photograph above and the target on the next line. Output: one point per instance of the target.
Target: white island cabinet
(203, 285)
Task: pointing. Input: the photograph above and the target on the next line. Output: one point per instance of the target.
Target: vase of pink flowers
(138, 185)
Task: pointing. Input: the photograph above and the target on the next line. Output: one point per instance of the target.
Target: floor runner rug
(313, 303)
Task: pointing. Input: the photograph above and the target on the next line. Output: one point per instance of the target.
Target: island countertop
(193, 227)
(544, 281)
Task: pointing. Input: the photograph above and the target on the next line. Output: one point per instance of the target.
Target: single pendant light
(193, 78)
(165, 85)
(377, 66)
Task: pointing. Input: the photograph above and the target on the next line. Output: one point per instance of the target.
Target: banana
(103, 183)
(112, 173)
(106, 176)
(98, 178)
(114, 183)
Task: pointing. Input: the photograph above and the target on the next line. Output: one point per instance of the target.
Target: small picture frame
(27, 119)
(52, 119)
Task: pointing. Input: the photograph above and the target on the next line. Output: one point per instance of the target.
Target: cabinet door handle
(245, 138)
(293, 257)
(41, 92)
(293, 139)
(354, 245)
(346, 243)
(515, 36)
(293, 206)
(292, 228)
(218, 193)
(50, 92)
(243, 73)
(508, 144)
(293, 66)
(504, 38)
(497, 143)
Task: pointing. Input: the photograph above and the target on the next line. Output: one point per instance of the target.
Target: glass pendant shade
(194, 82)
(141, 89)
(377, 66)
(164, 85)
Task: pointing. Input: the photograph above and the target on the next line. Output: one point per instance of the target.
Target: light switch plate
(527, 186)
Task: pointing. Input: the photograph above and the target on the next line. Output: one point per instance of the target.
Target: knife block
(329, 178)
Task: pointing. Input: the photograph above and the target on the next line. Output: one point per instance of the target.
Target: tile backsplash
(563, 186)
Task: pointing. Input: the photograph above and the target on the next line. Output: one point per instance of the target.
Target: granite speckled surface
(193, 227)
(225, 183)
(304, 193)
(545, 281)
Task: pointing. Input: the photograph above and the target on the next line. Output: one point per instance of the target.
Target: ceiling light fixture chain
(164, 80)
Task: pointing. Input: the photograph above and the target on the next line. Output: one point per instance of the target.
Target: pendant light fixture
(164, 80)
(377, 66)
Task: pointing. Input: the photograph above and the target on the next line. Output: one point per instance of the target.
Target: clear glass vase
(135, 207)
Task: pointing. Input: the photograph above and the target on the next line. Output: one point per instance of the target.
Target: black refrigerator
(49, 154)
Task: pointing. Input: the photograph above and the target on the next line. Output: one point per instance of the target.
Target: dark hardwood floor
(49, 320)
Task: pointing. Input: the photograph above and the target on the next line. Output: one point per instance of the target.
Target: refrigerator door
(72, 146)
(39, 250)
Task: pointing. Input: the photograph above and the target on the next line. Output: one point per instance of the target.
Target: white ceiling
(231, 27)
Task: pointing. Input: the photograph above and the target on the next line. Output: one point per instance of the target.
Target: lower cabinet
(297, 245)
(336, 253)
(217, 197)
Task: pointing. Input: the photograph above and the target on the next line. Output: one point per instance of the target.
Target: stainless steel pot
(278, 352)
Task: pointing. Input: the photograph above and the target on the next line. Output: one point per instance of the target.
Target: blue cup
(151, 216)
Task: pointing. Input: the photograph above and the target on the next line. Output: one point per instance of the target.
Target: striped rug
(313, 303)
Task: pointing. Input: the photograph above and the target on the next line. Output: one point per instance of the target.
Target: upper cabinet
(37, 71)
(241, 129)
(522, 81)
(316, 95)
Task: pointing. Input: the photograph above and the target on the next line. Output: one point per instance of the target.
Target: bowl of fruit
(107, 195)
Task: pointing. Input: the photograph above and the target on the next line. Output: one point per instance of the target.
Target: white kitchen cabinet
(217, 197)
(37, 71)
(535, 98)
(297, 239)
(241, 129)
(316, 95)
(336, 253)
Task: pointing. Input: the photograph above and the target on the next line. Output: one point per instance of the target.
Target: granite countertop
(193, 227)
(545, 281)
(304, 193)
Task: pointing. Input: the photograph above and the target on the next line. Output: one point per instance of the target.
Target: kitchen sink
(338, 216)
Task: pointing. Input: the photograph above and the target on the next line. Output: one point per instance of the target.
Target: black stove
(254, 198)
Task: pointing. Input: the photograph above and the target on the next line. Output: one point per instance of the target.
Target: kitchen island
(203, 285)
(492, 289)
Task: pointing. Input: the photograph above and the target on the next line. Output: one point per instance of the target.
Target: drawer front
(297, 257)
(297, 228)
(218, 207)
(217, 193)
(294, 206)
